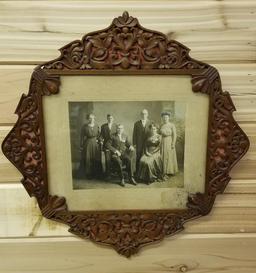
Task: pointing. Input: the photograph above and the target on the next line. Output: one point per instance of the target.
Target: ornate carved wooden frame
(125, 47)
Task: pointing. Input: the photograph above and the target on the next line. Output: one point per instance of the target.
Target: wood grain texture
(8, 172)
(239, 80)
(219, 32)
(231, 213)
(141, 51)
(37, 47)
(14, 80)
(187, 253)
(245, 169)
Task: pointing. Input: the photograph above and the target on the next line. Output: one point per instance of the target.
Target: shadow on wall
(126, 113)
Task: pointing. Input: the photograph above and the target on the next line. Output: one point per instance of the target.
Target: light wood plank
(218, 254)
(30, 32)
(223, 46)
(245, 169)
(18, 212)
(217, 32)
(243, 176)
(241, 186)
(220, 220)
(239, 80)
(14, 80)
(183, 15)
(239, 14)
(48, 16)
(231, 213)
(8, 172)
(215, 46)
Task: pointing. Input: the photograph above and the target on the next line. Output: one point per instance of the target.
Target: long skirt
(92, 158)
(169, 157)
(150, 167)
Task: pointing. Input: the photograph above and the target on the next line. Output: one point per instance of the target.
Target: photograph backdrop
(126, 113)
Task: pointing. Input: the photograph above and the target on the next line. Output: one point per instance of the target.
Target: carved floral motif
(23, 146)
(125, 45)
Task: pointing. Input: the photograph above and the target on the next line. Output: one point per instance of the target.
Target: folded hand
(131, 148)
(118, 153)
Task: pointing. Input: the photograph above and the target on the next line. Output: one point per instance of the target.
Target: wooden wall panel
(222, 33)
(8, 172)
(231, 213)
(245, 169)
(239, 80)
(188, 253)
(31, 31)
(36, 47)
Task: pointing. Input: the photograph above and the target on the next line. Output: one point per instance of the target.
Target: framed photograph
(125, 137)
(95, 160)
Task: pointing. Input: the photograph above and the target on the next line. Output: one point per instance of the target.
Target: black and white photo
(127, 144)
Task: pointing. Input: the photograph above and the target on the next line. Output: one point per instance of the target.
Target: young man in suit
(141, 131)
(107, 130)
(122, 153)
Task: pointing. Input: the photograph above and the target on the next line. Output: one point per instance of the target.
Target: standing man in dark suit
(122, 153)
(141, 131)
(107, 130)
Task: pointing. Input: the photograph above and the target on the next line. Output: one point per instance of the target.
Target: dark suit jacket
(140, 135)
(114, 143)
(106, 133)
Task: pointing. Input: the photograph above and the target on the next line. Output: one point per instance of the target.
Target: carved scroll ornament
(124, 46)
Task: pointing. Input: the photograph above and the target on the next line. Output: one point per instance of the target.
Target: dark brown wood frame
(124, 48)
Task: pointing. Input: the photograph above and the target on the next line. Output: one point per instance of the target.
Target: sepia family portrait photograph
(127, 144)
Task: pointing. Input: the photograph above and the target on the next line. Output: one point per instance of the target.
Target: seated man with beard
(122, 152)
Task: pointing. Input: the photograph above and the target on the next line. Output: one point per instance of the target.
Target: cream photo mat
(124, 88)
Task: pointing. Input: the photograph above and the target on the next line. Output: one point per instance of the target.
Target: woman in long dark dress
(90, 148)
(150, 165)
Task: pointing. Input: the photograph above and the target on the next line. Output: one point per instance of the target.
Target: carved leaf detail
(54, 205)
(126, 232)
(125, 45)
(24, 144)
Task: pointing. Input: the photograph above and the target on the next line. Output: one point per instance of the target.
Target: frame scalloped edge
(124, 47)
